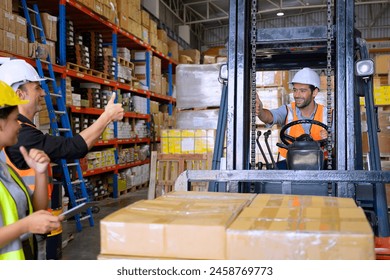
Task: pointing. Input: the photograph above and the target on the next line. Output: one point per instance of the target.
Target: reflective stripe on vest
(28, 176)
(297, 130)
(14, 249)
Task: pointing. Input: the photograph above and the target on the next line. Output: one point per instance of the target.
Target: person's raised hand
(259, 106)
(114, 110)
(35, 159)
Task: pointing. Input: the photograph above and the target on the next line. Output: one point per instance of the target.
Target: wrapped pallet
(197, 86)
(197, 119)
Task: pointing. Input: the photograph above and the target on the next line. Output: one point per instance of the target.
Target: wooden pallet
(85, 70)
(133, 188)
(125, 62)
(101, 197)
(165, 168)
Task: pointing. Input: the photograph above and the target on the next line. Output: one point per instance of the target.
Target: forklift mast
(293, 48)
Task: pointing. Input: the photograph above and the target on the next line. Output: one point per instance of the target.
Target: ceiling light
(280, 14)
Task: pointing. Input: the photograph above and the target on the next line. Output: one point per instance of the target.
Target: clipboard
(82, 207)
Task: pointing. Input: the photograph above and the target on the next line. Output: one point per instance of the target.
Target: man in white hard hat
(24, 79)
(306, 84)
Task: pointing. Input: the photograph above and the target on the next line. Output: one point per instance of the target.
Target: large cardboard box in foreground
(176, 226)
(301, 228)
(208, 225)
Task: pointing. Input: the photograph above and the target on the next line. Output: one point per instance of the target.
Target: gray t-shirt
(16, 192)
(280, 115)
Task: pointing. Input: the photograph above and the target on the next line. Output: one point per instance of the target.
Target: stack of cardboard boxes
(13, 30)
(203, 225)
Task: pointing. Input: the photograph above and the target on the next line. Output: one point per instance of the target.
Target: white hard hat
(307, 76)
(17, 72)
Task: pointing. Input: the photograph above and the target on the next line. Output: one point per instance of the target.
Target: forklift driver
(306, 83)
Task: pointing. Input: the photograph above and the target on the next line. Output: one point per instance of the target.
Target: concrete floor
(85, 245)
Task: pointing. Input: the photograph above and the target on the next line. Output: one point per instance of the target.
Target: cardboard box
(153, 27)
(279, 200)
(156, 66)
(173, 48)
(6, 5)
(153, 40)
(162, 35)
(194, 54)
(174, 227)
(22, 46)
(214, 196)
(383, 140)
(300, 239)
(145, 19)
(49, 23)
(9, 41)
(20, 26)
(9, 22)
(382, 64)
(300, 227)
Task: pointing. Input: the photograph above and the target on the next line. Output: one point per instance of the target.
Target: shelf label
(106, 82)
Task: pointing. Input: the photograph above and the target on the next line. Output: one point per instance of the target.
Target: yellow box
(121, 185)
(164, 141)
(174, 138)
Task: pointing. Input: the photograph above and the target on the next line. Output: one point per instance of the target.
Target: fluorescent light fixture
(280, 14)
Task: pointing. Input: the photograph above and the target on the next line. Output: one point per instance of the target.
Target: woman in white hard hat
(18, 221)
(306, 84)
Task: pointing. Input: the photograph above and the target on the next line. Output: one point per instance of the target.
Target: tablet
(82, 207)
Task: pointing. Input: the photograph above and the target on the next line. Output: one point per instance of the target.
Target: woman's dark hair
(6, 111)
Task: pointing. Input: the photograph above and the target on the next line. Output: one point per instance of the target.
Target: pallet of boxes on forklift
(208, 225)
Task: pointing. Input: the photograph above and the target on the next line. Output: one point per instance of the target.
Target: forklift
(337, 49)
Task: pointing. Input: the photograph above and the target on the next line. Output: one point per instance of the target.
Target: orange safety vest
(297, 130)
(28, 175)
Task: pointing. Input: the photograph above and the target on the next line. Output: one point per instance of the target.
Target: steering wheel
(288, 139)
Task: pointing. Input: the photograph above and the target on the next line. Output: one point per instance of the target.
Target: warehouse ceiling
(213, 13)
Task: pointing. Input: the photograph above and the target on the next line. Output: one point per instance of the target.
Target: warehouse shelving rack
(59, 120)
(86, 19)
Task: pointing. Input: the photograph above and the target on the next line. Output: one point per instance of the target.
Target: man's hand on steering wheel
(288, 139)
